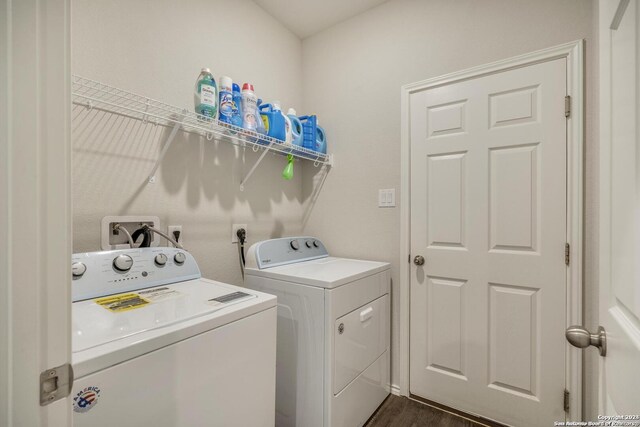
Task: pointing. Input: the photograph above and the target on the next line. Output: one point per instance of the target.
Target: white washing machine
(333, 331)
(154, 344)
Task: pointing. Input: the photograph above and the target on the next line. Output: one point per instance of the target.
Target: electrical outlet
(234, 230)
(171, 229)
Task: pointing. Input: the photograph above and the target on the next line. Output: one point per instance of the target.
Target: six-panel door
(488, 212)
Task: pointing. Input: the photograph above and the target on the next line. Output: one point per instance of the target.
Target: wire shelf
(93, 94)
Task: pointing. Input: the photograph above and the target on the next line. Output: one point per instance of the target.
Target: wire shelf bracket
(165, 148)
(254, 167)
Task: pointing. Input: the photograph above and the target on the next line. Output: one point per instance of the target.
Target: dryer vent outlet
(114, 239)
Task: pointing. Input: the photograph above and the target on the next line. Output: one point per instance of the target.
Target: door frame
(574, 54)
(35, 206)
(610, 14)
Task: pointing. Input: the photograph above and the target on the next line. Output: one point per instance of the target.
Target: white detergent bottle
(296, 128)
(249, 107)
(288, 129)
(287, 123)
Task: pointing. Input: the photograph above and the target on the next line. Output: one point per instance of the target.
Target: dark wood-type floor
(402, 412)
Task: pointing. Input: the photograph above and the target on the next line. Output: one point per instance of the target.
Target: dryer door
(360, 337)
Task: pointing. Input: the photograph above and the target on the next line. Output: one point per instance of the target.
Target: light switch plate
(387, 198)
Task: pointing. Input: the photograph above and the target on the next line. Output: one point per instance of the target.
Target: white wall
(156, 48)
(352, 74)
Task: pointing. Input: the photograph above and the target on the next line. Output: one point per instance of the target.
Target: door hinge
(567, 106)
(55, 384)
(567, 253)
(567, 397)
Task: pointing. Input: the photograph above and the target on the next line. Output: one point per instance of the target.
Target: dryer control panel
(288, 250)
(97, 274)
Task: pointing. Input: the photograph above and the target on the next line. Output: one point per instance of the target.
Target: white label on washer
(159, 294)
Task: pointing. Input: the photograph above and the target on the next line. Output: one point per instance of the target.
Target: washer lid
(329, 272)
(112, 329)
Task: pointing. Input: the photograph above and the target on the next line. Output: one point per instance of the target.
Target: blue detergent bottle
(236, 108)
(321, 140)
(309, 132)
(273, 120)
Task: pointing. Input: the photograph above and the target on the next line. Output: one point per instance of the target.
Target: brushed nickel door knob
(582, 338)
(418, 260)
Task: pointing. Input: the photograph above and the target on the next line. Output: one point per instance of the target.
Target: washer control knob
(309, 244)
(123, 262)
(180, 258)
(160, 259)
(294, 245)
(78, 269)
(316, 244)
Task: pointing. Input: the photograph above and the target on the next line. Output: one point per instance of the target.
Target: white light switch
(387, 198)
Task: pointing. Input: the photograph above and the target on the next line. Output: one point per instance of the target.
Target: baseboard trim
(473, 418)
(395, 389)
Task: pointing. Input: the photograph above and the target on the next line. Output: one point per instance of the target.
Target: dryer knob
(180, 258)
(294, 245)
(123, 262)
(316, 244)
(78, 269)
(160, 259)
(309, 244)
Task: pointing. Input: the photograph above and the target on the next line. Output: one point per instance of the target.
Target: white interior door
(488, 213)
(620, 206)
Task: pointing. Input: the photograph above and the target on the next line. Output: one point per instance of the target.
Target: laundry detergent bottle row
(204, 94)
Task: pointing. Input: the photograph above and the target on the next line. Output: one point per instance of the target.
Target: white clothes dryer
(333, 331)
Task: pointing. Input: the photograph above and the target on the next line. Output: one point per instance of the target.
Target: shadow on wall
(113, 155)
(278, 230)
(311, 188)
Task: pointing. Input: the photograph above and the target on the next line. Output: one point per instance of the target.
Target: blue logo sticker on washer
(86, 399)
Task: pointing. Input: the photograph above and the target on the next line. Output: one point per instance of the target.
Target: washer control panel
(288, 250)
(96, 274)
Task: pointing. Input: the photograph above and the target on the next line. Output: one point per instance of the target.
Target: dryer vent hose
(242, 235)
(146, 240)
